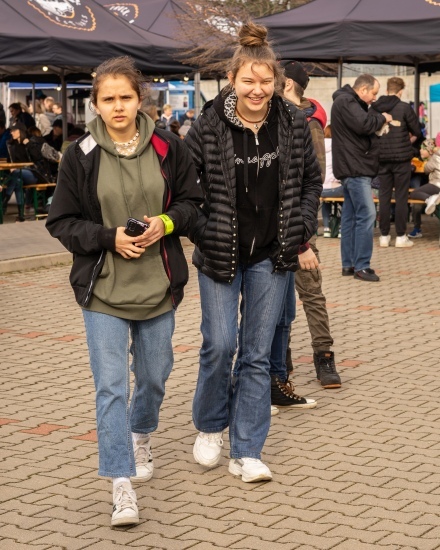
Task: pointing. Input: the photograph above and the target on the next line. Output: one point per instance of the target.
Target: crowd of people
(243, 181)
(35, 137)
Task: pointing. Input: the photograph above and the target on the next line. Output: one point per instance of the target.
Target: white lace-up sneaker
(144, 459)
(403, 242)
(207, 448)
(125, 510)
(431, 204)
(250, 469)
(384, 241)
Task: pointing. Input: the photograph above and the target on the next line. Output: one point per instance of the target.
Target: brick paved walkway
(359, 472)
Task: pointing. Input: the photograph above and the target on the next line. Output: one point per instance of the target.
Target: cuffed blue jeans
(242, 403)
(108, 340)
(357, 223)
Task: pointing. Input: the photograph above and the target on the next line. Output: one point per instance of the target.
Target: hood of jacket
(349, 91)
(385, 104)
(99, 133)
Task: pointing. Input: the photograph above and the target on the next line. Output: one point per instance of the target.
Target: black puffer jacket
(396, 146)
(299, 187)
(355, 146)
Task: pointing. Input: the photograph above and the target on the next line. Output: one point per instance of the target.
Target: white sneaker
(144, 459)
(327, 232)
(384, 241)
(274, 410)
(125, 510)
(207, 448)
(431, 203)
(250, 469)
(403, 242)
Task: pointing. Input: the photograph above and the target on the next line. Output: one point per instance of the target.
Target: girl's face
(254, 85)
(118, 103)
(15, 134)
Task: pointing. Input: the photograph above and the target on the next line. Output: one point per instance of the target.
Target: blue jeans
(243, 403)
(357, 223)
(326, 207)
(108, 340)
(15, 182)
(280, 341)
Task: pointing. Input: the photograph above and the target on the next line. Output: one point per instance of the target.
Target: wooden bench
(38, 189)
(338, 200)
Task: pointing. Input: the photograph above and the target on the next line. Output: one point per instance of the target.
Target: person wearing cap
(307, 278)
(55, 136)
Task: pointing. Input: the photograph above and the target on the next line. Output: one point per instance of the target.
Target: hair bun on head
(253, 36)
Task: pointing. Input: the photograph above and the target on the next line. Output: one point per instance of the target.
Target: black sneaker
(347, 271)
(282, 394)
(326, 369)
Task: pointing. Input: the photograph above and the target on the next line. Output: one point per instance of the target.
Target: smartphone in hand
(134, 227)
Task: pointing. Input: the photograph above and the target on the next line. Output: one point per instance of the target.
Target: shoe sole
(302, 406)
(138, 479)
(366, 280)
(406, 245)
(384, 245)
(124, 521)
(206, 464)
(236, 470)
(331, 386)
(274, 411)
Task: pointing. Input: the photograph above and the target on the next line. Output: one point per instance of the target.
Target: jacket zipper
(89, 290)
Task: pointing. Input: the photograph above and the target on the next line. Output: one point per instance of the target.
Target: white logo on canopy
(73, 14)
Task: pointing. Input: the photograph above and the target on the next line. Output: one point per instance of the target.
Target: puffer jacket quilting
(216, 234)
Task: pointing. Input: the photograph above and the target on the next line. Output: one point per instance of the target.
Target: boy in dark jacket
(395, 157)
(355, 155)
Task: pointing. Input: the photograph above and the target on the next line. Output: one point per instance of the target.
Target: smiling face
(118, 103)
(254, 85)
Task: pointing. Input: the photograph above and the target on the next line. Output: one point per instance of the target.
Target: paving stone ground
(359, 472)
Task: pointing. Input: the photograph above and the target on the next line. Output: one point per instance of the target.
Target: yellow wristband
(168, 223)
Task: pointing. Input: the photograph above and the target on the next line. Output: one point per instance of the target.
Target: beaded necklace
(129, 147)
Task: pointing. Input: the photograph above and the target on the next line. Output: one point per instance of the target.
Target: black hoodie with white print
(257, 175)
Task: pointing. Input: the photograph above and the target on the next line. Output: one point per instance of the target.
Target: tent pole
(197, 102)
(340, 60)
(33, 101)
(416, 88)
(64, 103)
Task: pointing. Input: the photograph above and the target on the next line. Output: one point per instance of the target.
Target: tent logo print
(129, 12)
(66, 13)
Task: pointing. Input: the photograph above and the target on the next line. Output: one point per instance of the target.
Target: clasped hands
(132, 247)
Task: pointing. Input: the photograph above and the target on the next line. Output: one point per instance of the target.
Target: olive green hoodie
(131, 186)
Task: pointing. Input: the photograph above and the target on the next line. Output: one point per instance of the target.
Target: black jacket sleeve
(68, 220)
(187, 195)
(311, 186)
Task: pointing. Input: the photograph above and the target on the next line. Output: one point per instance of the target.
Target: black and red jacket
(75, 216)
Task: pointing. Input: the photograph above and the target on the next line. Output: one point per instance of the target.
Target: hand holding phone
(134, 227)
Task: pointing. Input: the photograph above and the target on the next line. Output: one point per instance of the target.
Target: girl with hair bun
(126, 192)
(262, 184)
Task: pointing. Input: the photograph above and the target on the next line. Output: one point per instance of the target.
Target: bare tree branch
(209, 27)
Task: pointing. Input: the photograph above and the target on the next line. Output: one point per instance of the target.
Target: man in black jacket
(395, 157)
(355, 152)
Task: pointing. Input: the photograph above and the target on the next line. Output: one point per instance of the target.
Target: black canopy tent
(400, 32)
(80, 34)
(69, 39)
